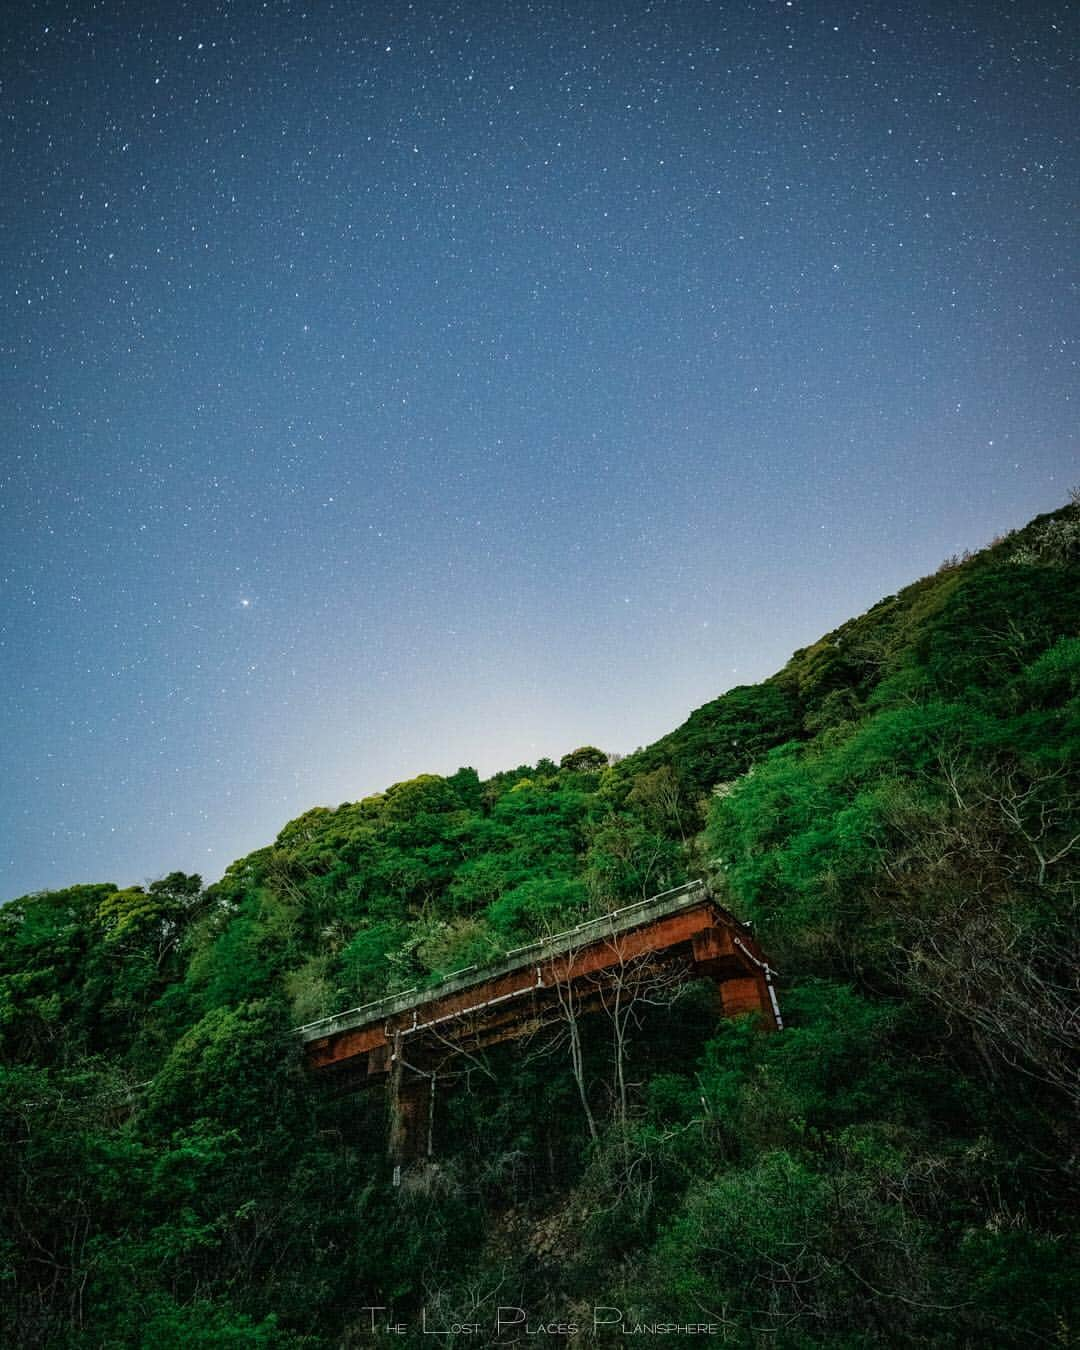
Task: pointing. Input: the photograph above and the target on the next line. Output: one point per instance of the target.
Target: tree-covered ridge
(897, 813)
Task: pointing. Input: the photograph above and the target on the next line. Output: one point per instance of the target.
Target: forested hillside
(898, 814)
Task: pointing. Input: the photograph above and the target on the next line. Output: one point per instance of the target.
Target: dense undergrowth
(896, 812)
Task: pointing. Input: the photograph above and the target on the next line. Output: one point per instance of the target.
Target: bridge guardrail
(605, 925)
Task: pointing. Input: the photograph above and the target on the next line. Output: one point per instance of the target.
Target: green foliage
(205, 1325)
(628, 860)
(232, 1067)
(719, 742)
(586, 759)
(896, 813)
(365, 970)
(544, 904)
(1054, 542)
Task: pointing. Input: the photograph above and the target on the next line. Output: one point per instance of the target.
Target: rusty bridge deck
(680, 934)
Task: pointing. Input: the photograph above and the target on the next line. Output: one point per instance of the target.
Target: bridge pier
(739, 996)
(411, 1107)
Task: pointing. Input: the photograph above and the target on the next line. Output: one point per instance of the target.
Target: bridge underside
(646, 951)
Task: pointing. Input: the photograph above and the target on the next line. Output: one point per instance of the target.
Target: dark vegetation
(896, 812)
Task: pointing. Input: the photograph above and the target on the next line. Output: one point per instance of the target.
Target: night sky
(389, 387)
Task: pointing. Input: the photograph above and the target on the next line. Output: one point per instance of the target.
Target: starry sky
(388, 387)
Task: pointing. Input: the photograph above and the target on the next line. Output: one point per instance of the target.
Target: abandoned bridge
(406, 1039)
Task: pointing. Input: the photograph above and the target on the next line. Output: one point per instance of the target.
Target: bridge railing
(590, 930)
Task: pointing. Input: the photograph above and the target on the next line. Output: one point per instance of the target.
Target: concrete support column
(745, 995)
(411, 1102)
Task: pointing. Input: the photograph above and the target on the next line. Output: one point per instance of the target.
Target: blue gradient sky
(387, 388)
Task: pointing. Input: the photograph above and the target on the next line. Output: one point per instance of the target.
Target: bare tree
(568, 1004)
(984, 895)
(622, 990)
(626, 988)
